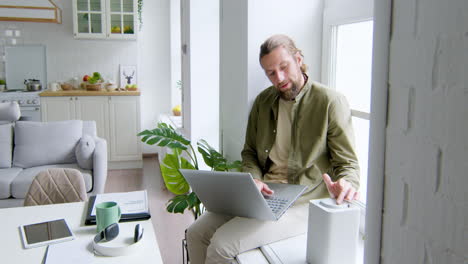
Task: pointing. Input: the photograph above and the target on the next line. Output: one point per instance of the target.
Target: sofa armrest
(9, 112)
(99, 166)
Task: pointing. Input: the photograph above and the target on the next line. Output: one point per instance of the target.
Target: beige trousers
(216, 238)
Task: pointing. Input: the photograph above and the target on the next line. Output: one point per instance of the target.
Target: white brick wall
(426, 197)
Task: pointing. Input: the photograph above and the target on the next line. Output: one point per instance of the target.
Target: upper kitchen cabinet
(105, 19)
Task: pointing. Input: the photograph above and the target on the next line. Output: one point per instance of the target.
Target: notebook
(235, 193)
(134, 206)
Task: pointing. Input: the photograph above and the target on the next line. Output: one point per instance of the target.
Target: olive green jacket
(322, 138)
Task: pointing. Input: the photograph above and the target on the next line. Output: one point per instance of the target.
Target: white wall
(234, 105)
(303, 25)
(244, 27)
(154, 64)
(425, 199)
(201, 71)
(176, 70)
(68, 57)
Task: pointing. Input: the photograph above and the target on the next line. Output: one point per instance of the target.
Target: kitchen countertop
(90, 93)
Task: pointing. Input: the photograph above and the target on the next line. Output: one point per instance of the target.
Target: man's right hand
(263, 187)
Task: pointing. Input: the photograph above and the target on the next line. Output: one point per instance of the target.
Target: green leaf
(152, 141)
(175, 145)
(145, 138)
(174, 181)
(178, 204)
(164, 135)
(144, 132)
(192, 200)
(212, 158)
(235, 165)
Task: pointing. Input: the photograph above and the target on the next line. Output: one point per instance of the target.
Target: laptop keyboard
(276, 203)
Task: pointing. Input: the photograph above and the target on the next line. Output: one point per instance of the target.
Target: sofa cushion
(6, 178)
(20, 185)
(89, 128)
(84, 152)
(43, 143)
(6, 145)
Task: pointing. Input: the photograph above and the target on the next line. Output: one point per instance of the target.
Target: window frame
(329, 59)
(379, 102)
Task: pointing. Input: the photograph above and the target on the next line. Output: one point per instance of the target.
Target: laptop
(235, 193)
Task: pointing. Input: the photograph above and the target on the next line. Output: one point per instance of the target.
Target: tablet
(45, 233)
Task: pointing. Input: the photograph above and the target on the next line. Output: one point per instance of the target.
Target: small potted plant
(2, 84)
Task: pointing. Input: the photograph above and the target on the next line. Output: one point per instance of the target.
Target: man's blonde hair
(281, 40)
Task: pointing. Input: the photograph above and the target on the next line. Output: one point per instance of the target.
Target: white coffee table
(74, 213)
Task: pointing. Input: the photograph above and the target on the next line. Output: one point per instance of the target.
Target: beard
(296, 87)
(291, 93)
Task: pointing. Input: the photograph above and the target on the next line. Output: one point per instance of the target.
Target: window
(346, 67)
(350, 71)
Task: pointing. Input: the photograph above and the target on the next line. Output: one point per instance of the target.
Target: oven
(30, 113)
(29, 103)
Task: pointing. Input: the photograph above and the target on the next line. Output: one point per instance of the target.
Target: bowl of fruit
(94, 82)
(131, 87)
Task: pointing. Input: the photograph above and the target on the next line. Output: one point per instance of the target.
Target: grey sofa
(27, 148)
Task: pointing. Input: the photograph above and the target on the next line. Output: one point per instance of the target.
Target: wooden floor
(169, 227)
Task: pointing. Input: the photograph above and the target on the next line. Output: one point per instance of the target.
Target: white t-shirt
(279, 153)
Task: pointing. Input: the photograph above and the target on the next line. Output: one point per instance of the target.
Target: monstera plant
(183, 156)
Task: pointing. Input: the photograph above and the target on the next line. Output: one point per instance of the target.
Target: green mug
(107, 213)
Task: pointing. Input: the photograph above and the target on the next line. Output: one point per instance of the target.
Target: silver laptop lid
(234, 193)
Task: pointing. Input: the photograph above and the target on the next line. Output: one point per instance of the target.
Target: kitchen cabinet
(82, 108)
(105, 19)
(117, 120)
(94, 108)
(124, 119)
(58, 109)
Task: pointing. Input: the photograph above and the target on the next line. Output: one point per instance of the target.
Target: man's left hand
(340, 190)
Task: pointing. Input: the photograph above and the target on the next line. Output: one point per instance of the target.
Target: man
(298, 132)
